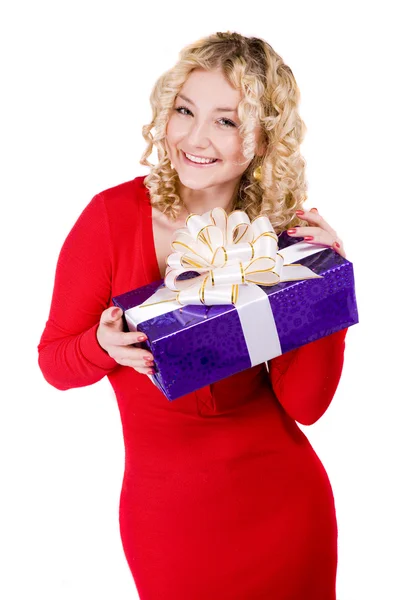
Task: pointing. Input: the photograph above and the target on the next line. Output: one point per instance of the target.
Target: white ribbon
(232, 257)
(226, 252)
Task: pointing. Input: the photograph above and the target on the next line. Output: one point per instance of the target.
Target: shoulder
(121, 209)
(122, 203)
(131, 193)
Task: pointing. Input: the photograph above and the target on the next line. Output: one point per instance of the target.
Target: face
(204, 123)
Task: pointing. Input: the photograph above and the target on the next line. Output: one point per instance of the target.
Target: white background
(76, 79)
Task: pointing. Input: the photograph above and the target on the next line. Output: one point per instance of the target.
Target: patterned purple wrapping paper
(195, 346)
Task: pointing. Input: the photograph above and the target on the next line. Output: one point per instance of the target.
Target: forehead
(210, 89)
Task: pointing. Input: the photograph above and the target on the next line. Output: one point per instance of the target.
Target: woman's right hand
(118, 343)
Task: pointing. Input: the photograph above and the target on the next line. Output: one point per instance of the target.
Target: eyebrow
(223, 109)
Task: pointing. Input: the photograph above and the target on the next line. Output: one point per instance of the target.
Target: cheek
(231, 145)
(175, 130)
(232, 150)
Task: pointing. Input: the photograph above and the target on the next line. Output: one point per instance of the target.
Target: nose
(198, 136)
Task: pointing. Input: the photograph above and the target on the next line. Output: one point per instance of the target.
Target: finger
(317, 235)
(124, 338)
(112, 314)
(320, 236)
(339, 249)
(140, 357)
(323, 238)
(139, 369)
(302, 231)
(316, 219)
(144, 371)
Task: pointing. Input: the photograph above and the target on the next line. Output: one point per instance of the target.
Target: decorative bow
(226, 252)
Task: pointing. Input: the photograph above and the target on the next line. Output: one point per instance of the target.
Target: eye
(227, 123)
(182, 108)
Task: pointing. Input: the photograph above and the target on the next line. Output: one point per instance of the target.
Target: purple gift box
(194, 346)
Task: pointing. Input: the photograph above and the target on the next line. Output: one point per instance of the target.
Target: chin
(193, 183)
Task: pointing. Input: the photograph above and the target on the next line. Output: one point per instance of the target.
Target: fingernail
(114, 313)
(291, 231)
(308, 238)
(299, 212)
(314, 210)
(150, 372)
(141, 338)
(337, 245)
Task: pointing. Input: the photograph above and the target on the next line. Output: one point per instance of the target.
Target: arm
(69, 353)
(305, 379)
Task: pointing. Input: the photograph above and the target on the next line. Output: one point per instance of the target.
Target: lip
(198, 165)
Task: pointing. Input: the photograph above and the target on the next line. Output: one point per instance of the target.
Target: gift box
(197, 345)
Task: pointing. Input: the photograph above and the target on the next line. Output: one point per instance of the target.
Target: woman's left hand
(319, 233)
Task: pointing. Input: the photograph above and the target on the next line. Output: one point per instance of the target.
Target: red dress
(223, 497)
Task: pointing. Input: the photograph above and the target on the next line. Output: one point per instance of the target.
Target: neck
(201, 201)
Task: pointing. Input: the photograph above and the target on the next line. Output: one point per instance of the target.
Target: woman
(223, 497)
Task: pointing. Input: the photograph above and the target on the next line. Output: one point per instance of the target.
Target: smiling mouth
(199, 160)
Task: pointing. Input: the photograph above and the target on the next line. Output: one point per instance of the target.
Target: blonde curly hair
(270, 96)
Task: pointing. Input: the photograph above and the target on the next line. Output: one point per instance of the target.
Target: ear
(262, 147)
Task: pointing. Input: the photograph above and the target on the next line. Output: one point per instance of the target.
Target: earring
(257, 174)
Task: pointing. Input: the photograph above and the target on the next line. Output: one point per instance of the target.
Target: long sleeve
(69, 353)
(305, 380)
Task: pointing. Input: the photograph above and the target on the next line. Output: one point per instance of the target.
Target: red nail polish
(337, 245)
(291, 231)
(308, 238)
(299, 212)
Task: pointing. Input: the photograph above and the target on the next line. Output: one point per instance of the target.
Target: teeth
(199, 160)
